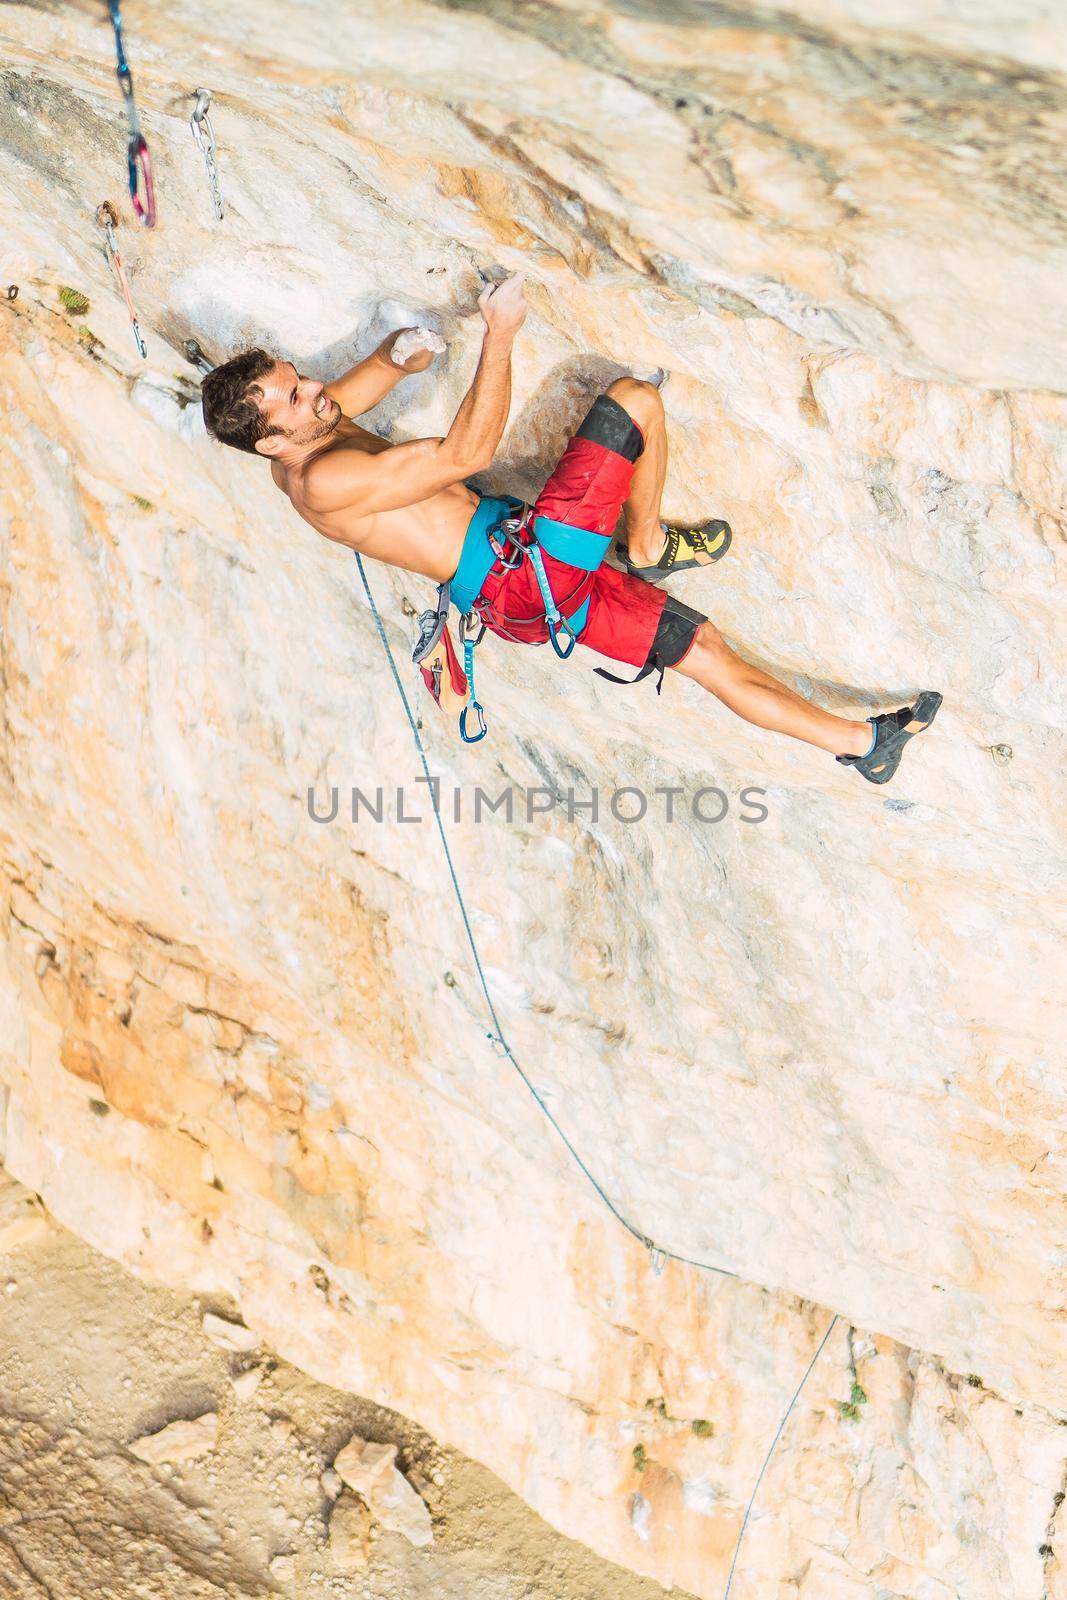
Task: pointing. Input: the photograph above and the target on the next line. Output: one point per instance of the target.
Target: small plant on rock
(850, 1408)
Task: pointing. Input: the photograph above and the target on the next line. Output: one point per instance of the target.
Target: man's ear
(270, 445)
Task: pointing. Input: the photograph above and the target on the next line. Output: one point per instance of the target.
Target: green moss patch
(74, 301)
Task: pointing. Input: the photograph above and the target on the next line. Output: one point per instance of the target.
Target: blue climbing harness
(505, 530)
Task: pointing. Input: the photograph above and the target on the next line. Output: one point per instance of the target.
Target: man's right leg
(762, 700)
(644, 537)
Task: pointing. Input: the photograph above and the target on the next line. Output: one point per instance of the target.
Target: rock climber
(410, 505)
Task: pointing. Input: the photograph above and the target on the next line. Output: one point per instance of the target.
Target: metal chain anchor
(107, 221)
(196, 357)
(139, 163)
(204, 134)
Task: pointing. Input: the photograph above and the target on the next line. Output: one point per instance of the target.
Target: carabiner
(554, 632)
(506, 545)
(472, 738)
(140, 171)
(472, 620)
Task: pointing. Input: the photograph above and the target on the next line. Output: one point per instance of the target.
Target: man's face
(298, 407)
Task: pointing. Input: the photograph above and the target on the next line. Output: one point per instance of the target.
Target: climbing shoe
(892, 730)
(685, 548)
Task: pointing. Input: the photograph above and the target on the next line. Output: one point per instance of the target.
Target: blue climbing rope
(770, 1452)
(497, 1037)
(657, 1252)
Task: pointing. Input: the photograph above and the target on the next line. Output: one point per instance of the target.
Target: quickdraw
(468, 667)
(558, 625)
(204, 134)
(139, 163)
(107, 221)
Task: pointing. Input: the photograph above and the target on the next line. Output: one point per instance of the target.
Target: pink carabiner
(140, 164)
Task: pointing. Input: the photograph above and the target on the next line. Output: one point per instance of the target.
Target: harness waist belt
(577, 547)
(478, 554)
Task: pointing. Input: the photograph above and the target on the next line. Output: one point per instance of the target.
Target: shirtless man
(409, 505)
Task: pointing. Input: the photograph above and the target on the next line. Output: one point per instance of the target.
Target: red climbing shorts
(626, 619)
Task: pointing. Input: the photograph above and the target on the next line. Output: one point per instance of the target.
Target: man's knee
(709, 653)
(710, 642)
(642, 400)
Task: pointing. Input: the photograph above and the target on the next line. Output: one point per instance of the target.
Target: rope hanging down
(657, 1254)
(770, 1452)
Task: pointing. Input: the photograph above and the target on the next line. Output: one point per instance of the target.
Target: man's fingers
(503, 304)
(514, 286)
(409, 343)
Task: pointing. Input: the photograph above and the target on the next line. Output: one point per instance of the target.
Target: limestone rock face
(246, 1051)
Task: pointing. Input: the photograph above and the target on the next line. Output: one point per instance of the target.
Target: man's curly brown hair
(228, 396)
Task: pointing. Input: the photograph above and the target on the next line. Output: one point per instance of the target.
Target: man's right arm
(402, 476)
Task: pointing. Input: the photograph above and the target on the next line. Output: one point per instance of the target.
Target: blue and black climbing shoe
(892, 730)
(685, 548)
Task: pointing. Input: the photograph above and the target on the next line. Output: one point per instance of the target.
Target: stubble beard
(327, 422)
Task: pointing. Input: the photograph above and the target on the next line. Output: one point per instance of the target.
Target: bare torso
(426, 537)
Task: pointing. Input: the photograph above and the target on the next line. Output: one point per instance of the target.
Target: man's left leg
(762, 700)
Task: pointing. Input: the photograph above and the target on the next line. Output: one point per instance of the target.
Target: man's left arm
(370, 380)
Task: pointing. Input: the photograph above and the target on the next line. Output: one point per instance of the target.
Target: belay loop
(138, 161)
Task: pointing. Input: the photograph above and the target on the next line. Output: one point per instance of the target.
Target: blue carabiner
(472, 738)
(554, 633)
